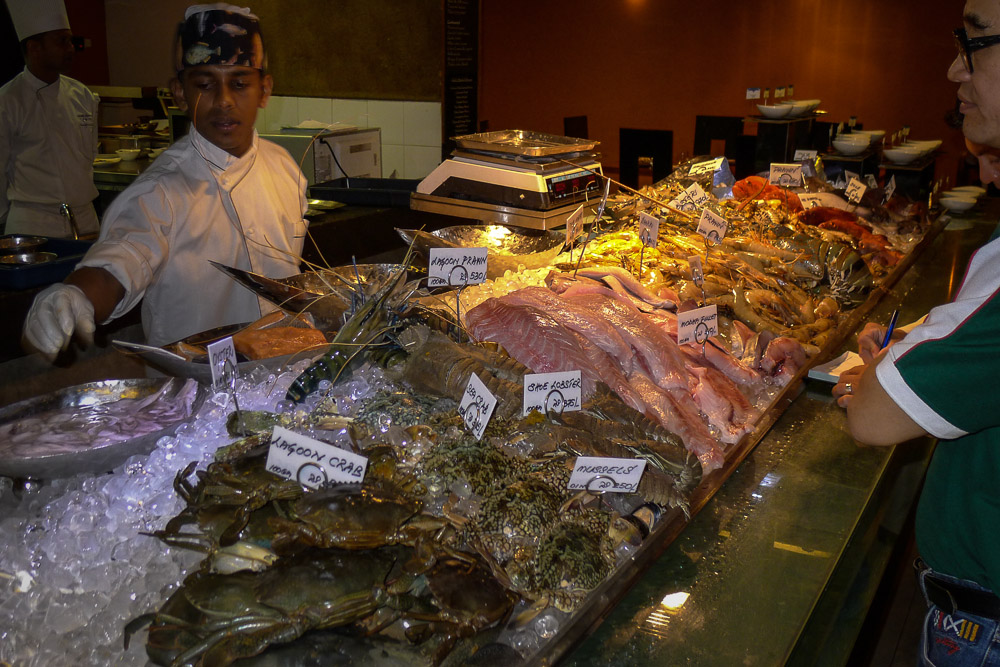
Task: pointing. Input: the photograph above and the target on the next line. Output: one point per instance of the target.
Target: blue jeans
(957, 639)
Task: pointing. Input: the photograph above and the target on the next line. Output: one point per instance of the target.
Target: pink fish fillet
(676, 411)
(720, 400)
(576, 317)
(733, 368)
(656, 351)
(783, 359)
(628, 282)
(531, 337)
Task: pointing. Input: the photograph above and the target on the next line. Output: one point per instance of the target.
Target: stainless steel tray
(524, 142)
(97, 458)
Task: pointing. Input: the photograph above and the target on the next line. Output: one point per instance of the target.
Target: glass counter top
(781, 565)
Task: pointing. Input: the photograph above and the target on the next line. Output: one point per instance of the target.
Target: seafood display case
(789, 496)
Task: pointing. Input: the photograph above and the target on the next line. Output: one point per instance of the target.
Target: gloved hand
(55, 314)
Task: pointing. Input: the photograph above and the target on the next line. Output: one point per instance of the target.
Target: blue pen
(888, 331)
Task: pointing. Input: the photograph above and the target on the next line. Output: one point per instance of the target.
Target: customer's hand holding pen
(875, 337)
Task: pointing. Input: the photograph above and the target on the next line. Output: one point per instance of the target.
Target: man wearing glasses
(940, 380)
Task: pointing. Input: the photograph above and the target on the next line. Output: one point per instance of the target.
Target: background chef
(220, 193)
(48, 130)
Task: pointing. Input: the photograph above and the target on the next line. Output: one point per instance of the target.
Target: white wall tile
(420, 160)
(422, 124)
(393, 160)
(261, 123)
(319, 109)
(282, 111)
(352, 112)
(387, 115)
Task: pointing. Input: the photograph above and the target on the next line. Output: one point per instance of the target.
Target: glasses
(967, 46)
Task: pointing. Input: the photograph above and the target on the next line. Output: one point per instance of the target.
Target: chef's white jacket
(48, 142)
(196, 203)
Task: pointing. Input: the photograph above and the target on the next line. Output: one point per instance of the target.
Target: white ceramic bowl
(924, 146)
(968, 189)
(775, 111)
(155, 152)
(850, 147)
(812, 104)
(796, 108)
(957, 203)
(900, 155)
(128, 154)
(873, 135)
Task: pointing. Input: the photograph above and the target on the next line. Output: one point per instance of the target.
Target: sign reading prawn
(477, 406)
(222, 361)
(311, 462)
(697, 325)
(456, 266)
(712, 226)
(691, 199)
(603, 474)
(785, 175)
(560, 392)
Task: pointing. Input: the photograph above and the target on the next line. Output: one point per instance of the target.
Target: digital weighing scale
(526, 179)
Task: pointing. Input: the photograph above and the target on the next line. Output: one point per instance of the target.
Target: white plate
(106, 159)
(957, 204)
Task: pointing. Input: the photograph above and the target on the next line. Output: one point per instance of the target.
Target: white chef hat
(32, 17)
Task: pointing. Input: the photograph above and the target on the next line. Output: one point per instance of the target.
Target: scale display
(568, 186)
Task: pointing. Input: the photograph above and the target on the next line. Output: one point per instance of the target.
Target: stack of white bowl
(854, 143)
(908, 151)
(961, 198)
(774, 110)
(800, 107)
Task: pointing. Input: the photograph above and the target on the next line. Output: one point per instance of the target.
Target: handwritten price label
(574, 225)
(785, 175)
(712, 226)
(698, 325)
(477, 406)
(312, 463)
(802, 154)
(649, 229)
(753, 93)
(456, 266)
(810, 201)
(706, 167)
(855, 190)
(222, 360)
(606, 474)
(692, 199)
(561, 392)
(890, 188)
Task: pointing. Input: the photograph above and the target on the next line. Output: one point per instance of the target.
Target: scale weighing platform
(526, 179)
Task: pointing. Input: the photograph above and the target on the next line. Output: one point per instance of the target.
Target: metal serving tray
(524, 142)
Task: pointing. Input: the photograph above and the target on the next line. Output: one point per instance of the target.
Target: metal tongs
(595, 227)
(68, 212)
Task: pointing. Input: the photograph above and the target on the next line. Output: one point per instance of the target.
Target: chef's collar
(219, 158)
(219, 34)
(37, 84)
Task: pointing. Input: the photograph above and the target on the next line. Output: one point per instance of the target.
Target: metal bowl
(27, 258)
(13, 243)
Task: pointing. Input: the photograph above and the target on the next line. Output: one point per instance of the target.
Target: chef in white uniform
(221, 193)
(48, 131)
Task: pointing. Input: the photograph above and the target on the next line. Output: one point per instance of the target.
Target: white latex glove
(56, 313)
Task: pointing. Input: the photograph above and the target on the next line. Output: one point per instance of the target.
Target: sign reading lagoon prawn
(222, 361)
(560, 392)
(649, 229)
(712, 226)
(477, 406)
(698, 325)
(692, 199)
(456, 266)
(785, 175)
(603, 474)
(311, 462)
